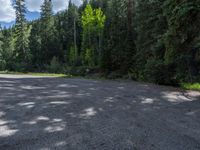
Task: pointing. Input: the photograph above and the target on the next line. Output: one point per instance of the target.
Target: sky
(7, 12)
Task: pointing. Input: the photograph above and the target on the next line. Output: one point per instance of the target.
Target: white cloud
(58, 5)
(7, 12)
(33, 5)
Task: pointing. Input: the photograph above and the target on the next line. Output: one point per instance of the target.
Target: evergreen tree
(2, 63)
(21, 33)
(182, 37)
(151, 26)
(118, 53)
(1, 39)
(35, 44)
(72, 31)
(7, 49)
(130, 49)
(49, 42)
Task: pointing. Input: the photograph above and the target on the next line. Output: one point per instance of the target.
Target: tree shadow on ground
(56, 113)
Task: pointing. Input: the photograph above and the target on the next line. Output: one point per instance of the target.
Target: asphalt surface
(43, 113)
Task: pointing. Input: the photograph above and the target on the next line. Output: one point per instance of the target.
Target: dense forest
(147, 40)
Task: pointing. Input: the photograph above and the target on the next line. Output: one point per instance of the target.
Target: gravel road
(45, 113)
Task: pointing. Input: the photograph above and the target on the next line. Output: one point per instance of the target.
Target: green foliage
(2, 61)
(156, 71)
(182, 36)
(89, 57)
(55, 66)
(50, 43)
(71, 31)
(46, 31)
(88, 19)
(93, 21)
(191, 86)
(20, 67)
(7, 50)
(35, 45)
(119, 43)
(1, 39)
(73, 56)
(81, 70)
(99, 19)
(22, 33)
(151, 25)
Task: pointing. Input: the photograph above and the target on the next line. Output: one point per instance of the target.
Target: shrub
(81, 71)
(2, 65)
(73, 56)
(89, 57)
(157, 71)
(114, 75)
(20, 67)
(55, 66)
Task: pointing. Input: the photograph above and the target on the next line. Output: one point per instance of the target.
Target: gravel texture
(43, 113)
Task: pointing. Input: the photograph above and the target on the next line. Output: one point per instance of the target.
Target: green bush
(89, 57)
(73, 56)
(156, 71)
(2, 65)
(55, 66)
(191, 86)
(115, 75)
(20, 67)
(81, 71)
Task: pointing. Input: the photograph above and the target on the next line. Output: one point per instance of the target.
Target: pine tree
(60, 35)
(7, 49)
(183, 37)
(72, 31)
(1, 38)
(130, 49)
(21, 33)
(116, 51)
(35, 44)
(151, 26)
(2, 63)
(46, 11)
(49, 37)
(46, 30)
(75, 34)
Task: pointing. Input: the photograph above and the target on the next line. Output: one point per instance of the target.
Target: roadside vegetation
(143, 40)
(191, 86)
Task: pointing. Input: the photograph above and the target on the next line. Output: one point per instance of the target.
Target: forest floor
(48, 113)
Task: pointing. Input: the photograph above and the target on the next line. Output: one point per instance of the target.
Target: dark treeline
(150, 40)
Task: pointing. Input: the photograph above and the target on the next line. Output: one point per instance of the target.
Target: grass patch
(191, 86)
(35, 74)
